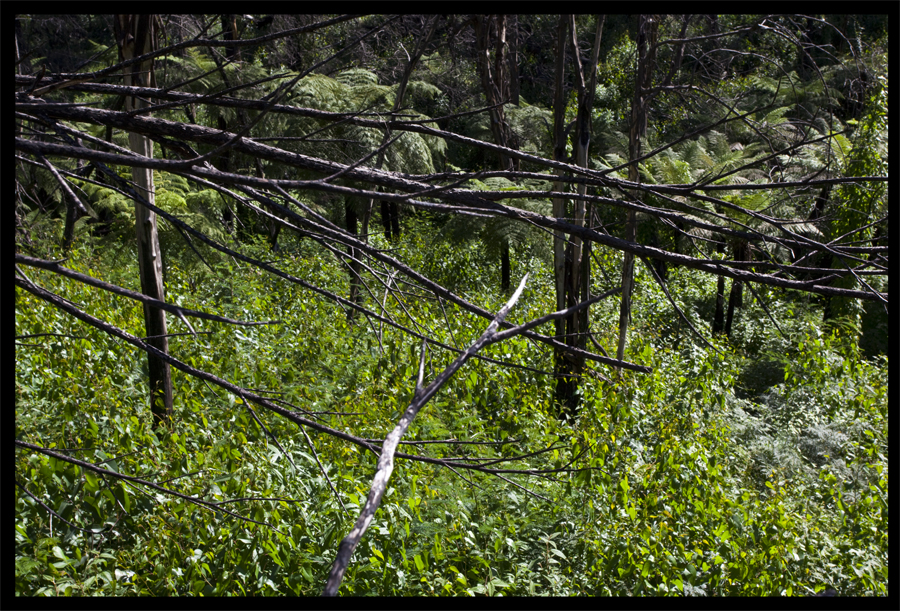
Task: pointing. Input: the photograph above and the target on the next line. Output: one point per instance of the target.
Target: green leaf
(93, 482)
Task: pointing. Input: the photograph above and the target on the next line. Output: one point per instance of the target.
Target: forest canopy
(451, 304)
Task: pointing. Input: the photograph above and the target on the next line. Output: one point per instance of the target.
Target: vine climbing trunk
(136, 36)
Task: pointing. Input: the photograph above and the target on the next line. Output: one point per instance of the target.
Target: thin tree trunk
(355, 268)
(496, 84)
(386, 219)
(559, 154)
(136, 35)
(395, 221)
(565, 387)
(497, 87)
(233, 54)
(274, 231)
(71, 217)
(504, 268)
(502, 79)
(572, 261)
(646, 33)
(736, 298)
(578, 263)
(583, 316)
(582, 141)
(513, 39)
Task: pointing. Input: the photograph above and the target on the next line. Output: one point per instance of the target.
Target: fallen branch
(386, 460)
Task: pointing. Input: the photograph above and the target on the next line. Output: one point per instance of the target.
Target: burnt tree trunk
(386, 220)
(578, 266)
(395, 220)
(736, 297)
(718, 325)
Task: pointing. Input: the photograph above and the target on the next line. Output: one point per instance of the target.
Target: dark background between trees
(315, 227)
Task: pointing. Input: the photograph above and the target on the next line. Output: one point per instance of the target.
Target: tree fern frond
(318, 91)
(357, 77)
(530, 125)
(419, 93)
(496, 233)
(774, 117)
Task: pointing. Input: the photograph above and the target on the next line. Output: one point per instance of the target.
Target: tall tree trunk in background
(577, 278)
(566, 385)
(390, 220)
(647, 29)
(733, 297)
(390, 212)
(513, 39)
(496, 85)
(504, 268)
(583, 129)
(136, 36)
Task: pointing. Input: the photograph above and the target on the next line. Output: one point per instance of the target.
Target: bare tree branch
(386, 459)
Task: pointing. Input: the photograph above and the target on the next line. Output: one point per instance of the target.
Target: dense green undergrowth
(758, 467)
